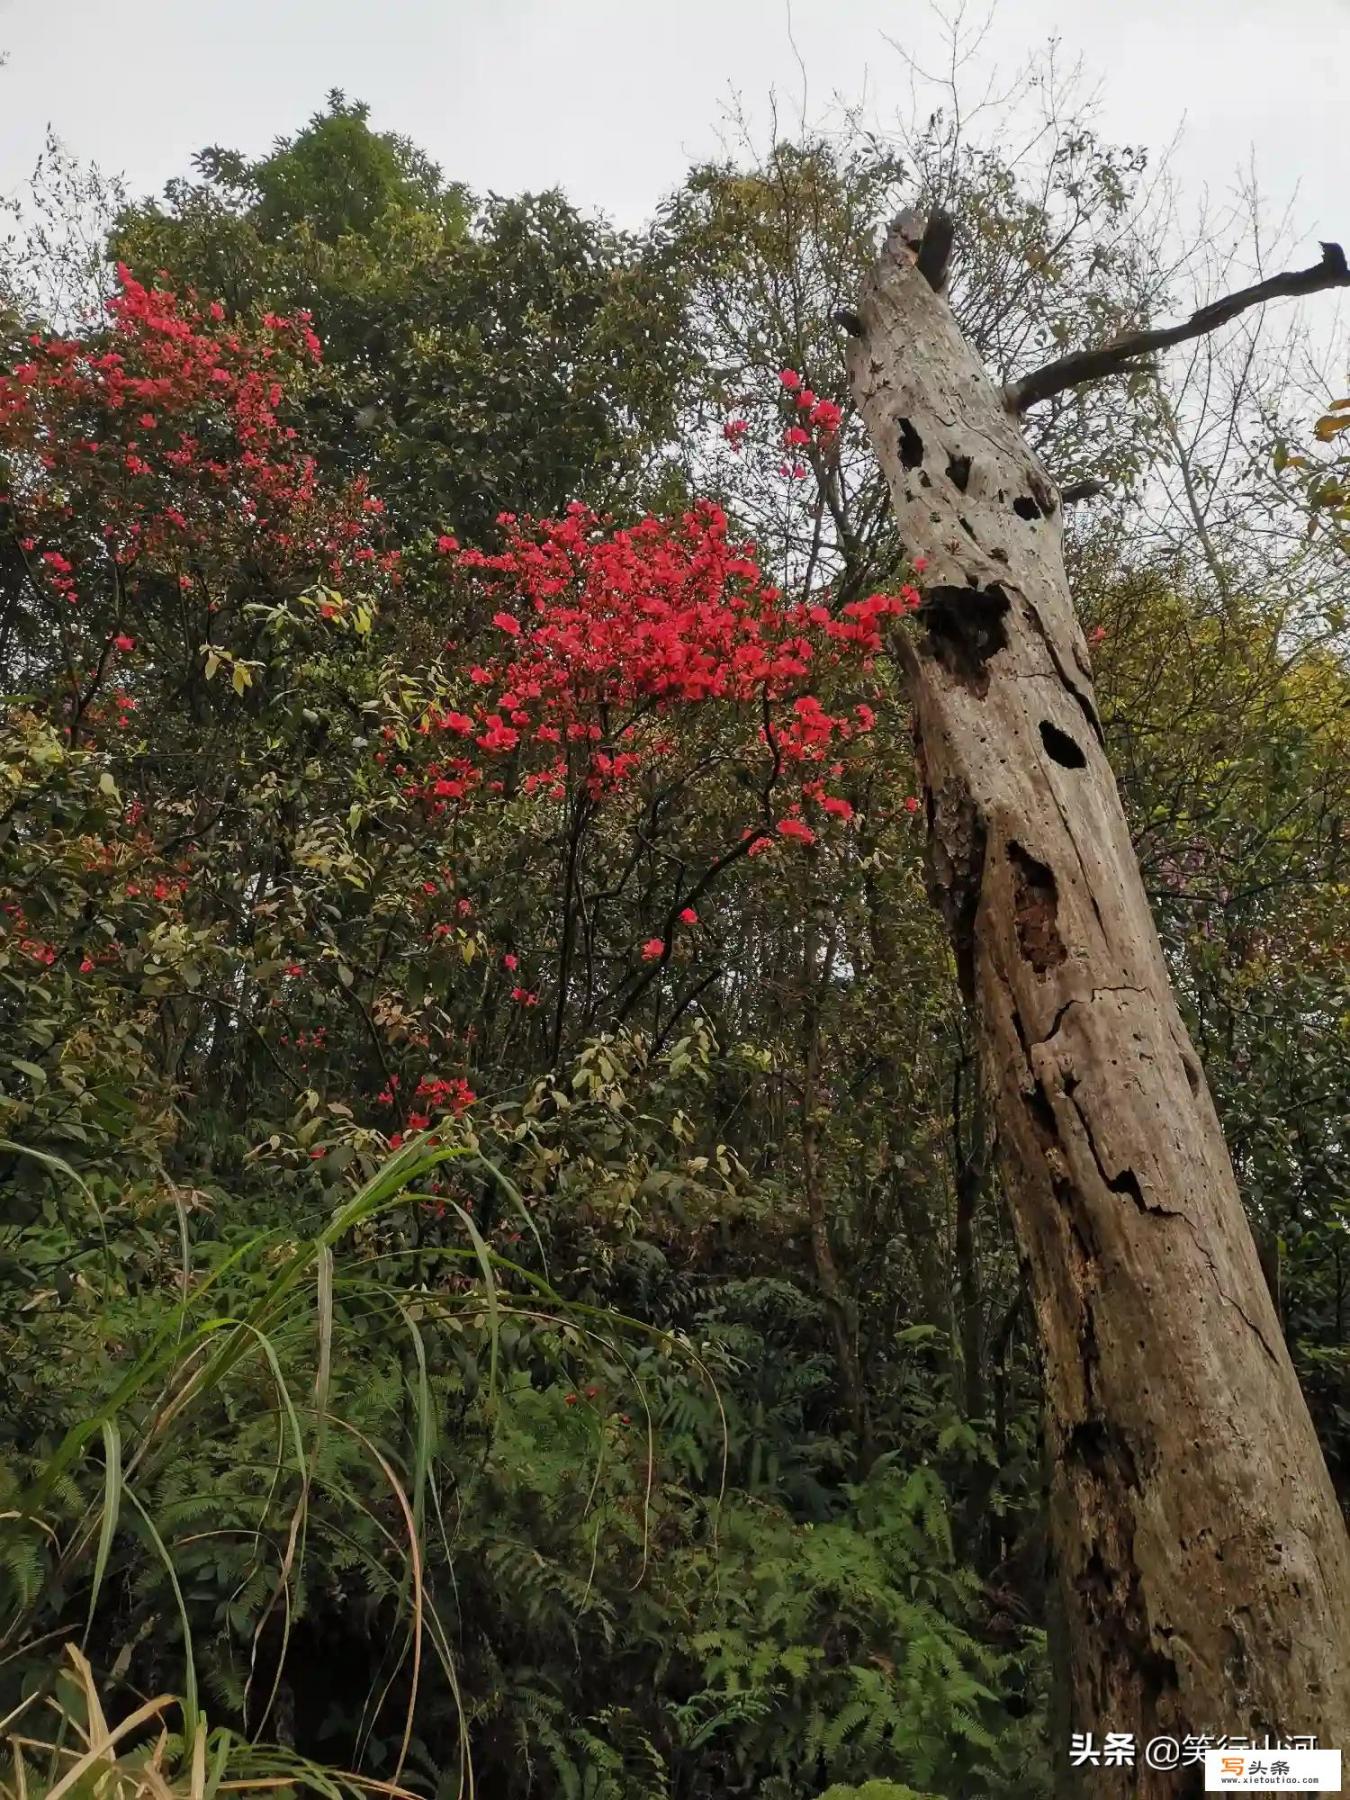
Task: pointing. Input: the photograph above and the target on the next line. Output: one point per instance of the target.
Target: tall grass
(269, 1310)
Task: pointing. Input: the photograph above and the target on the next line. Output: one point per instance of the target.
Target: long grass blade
(112, 1501)
(191, 1713)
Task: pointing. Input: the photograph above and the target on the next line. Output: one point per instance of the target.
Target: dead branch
(1083, 366)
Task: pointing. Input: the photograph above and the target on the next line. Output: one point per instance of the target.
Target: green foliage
(504, 356)
(333, 178)
(872, 1790)
(292, 1448)
(845, 1646)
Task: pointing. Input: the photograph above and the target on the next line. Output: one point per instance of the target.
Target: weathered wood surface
(1203, 1565)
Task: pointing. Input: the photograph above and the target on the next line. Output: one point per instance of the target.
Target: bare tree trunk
(1203, 1565)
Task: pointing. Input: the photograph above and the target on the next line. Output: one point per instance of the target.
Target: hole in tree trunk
(1060, 747)
(911, 446)
(1127, 1182)
(1036, 911)
(958, 472)
(1026, 508)
(965, 628)
(1105, 1451)
(1042, 1114)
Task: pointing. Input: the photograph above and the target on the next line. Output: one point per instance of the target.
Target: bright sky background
(611, 99)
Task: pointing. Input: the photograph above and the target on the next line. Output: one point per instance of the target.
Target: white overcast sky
(611, 99)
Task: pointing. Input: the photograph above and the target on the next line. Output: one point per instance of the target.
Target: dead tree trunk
(1203, 1564)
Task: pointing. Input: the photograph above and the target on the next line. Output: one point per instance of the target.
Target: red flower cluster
(440, 1095)
(608, 630)
(825, 415)
(135, 449)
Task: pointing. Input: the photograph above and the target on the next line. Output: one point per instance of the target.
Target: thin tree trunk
(921, 1232)
(1202, 1562)
(839, 1306)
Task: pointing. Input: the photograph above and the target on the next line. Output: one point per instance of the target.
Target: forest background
(503, 1279)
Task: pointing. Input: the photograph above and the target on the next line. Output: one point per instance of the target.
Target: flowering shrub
(154, 492)
(611, 632)
(188, 585)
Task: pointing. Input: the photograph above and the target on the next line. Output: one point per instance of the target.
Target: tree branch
(935, 249)
(1083, 366)
(929, 241)
(1091, 489)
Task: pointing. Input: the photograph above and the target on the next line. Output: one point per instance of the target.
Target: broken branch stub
(1202, 1562)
